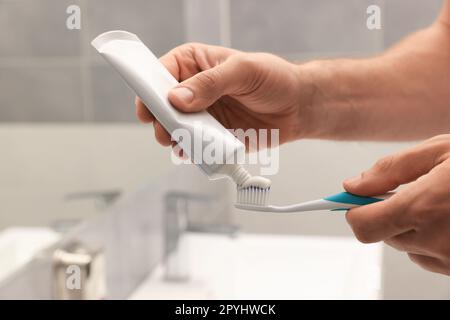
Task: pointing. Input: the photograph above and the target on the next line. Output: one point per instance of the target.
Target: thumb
(390, 172)
(203, 89)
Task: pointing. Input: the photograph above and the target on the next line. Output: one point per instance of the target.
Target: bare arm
(403, 94)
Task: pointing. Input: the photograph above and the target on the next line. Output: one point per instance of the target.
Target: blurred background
(73, 153)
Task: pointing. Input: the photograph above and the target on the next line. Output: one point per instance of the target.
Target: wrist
(329, 92)
(311, 98)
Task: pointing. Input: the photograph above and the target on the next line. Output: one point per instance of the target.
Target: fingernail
(353, 180)
(184, 94)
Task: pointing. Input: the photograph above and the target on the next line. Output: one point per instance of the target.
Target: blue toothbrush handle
(354, 200)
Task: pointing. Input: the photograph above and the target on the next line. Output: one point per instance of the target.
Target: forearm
(403, 94)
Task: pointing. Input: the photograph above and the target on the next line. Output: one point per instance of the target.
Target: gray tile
(37, 28)
(297, 26)
(203, 20)
(159, 23)
(113, 101)
(405, 16)
(40, 94)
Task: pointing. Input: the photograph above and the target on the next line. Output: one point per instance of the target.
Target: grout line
(225, 23)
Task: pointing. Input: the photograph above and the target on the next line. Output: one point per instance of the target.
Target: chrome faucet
(79, 273)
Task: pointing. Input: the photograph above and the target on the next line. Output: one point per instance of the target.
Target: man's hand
(416, 220)
(242, 90)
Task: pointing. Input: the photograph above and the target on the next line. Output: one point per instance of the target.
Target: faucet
(178, 215)
(104, 198)
(79, 272)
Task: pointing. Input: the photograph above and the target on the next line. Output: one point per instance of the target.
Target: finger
(430, 263)
(142, 113)
(191, 58)
(176, 149)
(381, 220)
(394, 170)
(203, 89)
(170, 61)
(161, 135)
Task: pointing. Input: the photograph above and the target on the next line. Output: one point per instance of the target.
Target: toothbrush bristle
(253, 195)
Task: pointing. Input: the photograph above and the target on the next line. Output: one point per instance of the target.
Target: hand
(242, 90)
(416, 220)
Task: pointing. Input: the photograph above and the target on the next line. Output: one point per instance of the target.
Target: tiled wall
(50, 74)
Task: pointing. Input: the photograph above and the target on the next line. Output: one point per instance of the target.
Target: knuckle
(359, 229)
(208, 80)
(189, 46)
(192, 44)
(184, 50)
(414, 258)
(384, 164)
(248, 61)
(443, 154)
(251, 69)
(439, 146)
(439, 138)
(363, 236)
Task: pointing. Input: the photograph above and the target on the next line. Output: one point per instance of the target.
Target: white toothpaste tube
(151, 81)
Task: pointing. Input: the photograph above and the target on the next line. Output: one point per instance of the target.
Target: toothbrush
(255, 199)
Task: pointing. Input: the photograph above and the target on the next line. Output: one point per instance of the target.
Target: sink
(253, 266)
(18, 245)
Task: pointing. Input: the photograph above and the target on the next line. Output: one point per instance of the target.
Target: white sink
(270, 267)
(18, 246)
